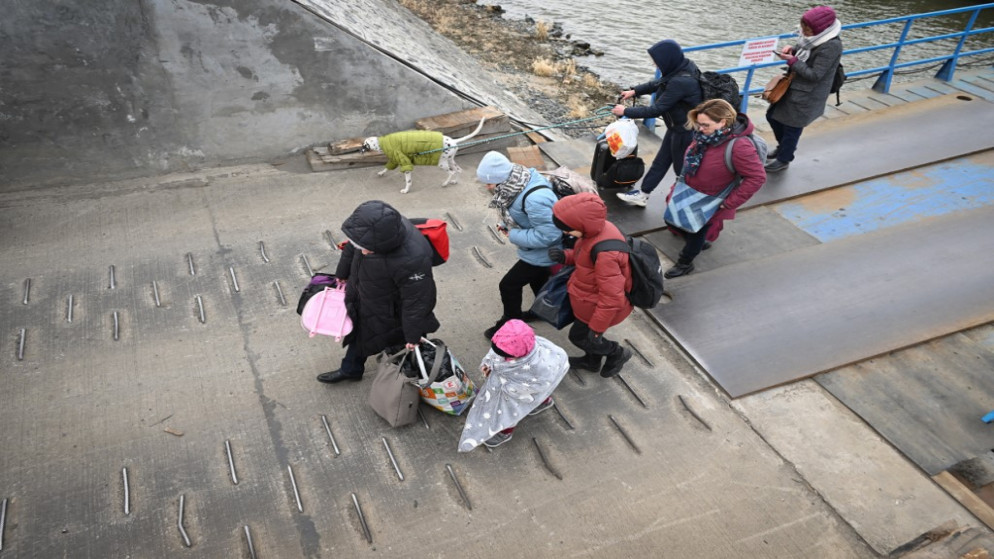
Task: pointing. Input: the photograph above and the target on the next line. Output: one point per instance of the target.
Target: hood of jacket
(375, 226)
(668, 56)
(584, 212)
(743, 126)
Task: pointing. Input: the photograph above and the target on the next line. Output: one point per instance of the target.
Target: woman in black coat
(813, 61)
(390, 289)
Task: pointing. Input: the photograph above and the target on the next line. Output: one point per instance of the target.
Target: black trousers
(579, 336)
(514, 282)
(693, 243)
(671, 153)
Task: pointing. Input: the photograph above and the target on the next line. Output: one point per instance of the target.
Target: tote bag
(393, 396)
(446, 387)
(552, 302)
(689, 209)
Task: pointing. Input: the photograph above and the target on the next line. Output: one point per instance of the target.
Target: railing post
(745, 96)
(882, 84)
(949, 67)
(650, 123)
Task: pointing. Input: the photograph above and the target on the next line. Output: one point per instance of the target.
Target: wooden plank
(809, 311)
(886, 99)
(536, 138)
(973, 90)
(345, 146)
(904, 94)
(966, 497)
(528, 156)
(320, 159)
(461, 123)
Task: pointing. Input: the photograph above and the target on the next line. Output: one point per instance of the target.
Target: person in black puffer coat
(677, 91)
(389, 290)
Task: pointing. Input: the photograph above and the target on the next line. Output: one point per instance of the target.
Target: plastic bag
(622, 137)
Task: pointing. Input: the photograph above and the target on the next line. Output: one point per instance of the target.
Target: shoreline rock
(534, 60)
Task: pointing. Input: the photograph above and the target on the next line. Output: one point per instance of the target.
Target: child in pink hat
(522, 370)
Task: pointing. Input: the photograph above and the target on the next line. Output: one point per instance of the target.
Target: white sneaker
(634, 197)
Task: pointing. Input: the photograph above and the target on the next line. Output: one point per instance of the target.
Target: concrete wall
(97, 89)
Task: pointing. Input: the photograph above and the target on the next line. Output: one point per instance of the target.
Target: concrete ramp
(120, 89)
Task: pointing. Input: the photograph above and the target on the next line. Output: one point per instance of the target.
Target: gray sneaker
(497, 440)
(542, 407)
(634, 197)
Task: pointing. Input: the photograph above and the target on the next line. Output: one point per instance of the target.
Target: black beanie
(500, 351)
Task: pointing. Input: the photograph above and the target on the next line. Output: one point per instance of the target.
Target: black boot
(678, 270)
(615, 361)
(337, 375)
(489, 332)
(589, 362)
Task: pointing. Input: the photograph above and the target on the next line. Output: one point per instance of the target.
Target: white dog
(419, 147)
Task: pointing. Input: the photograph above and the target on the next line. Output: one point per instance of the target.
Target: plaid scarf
(701, 142)
(507, 191)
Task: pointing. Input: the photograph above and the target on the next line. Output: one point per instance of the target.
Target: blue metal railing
(886, 72)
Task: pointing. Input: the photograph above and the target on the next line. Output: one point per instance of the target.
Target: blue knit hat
(494, 168)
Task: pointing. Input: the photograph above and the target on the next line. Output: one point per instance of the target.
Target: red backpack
(438, 237)
(433, 230)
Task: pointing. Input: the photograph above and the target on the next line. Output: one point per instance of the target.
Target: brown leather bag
(777, 87)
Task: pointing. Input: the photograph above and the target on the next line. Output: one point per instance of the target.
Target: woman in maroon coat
(715, 123)
(596, 289)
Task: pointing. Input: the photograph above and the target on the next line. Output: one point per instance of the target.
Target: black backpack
(720, 86)
(647, 271)
(837, 81)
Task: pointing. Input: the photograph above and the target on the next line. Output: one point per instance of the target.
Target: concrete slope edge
(436, 58)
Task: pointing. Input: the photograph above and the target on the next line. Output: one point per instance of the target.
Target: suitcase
(602, 160)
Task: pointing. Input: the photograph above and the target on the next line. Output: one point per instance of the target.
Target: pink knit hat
(514, 338)
(819, 18)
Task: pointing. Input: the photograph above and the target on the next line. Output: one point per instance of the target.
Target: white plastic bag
(622, 137)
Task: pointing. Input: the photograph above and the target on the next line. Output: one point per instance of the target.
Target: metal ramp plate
(926, 400)
(767, 322)
(845, 150)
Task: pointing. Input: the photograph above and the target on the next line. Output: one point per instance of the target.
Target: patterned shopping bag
(444, 384)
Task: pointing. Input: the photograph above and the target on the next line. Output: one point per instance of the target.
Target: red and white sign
(758, 51)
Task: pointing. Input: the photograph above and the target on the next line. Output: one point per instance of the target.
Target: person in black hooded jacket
(677, 91)
(389, 291)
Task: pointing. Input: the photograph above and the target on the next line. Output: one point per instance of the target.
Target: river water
(623, 29)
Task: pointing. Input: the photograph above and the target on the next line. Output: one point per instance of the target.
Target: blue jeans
(671, 152)
(787, 137)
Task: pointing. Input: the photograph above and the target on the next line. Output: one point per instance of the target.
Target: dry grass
(542, 31)
(590, 81)
(577, 107)
(515, 51)
(568, 68)
(545, 68)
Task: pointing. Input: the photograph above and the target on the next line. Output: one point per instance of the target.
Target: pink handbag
(325, 314)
